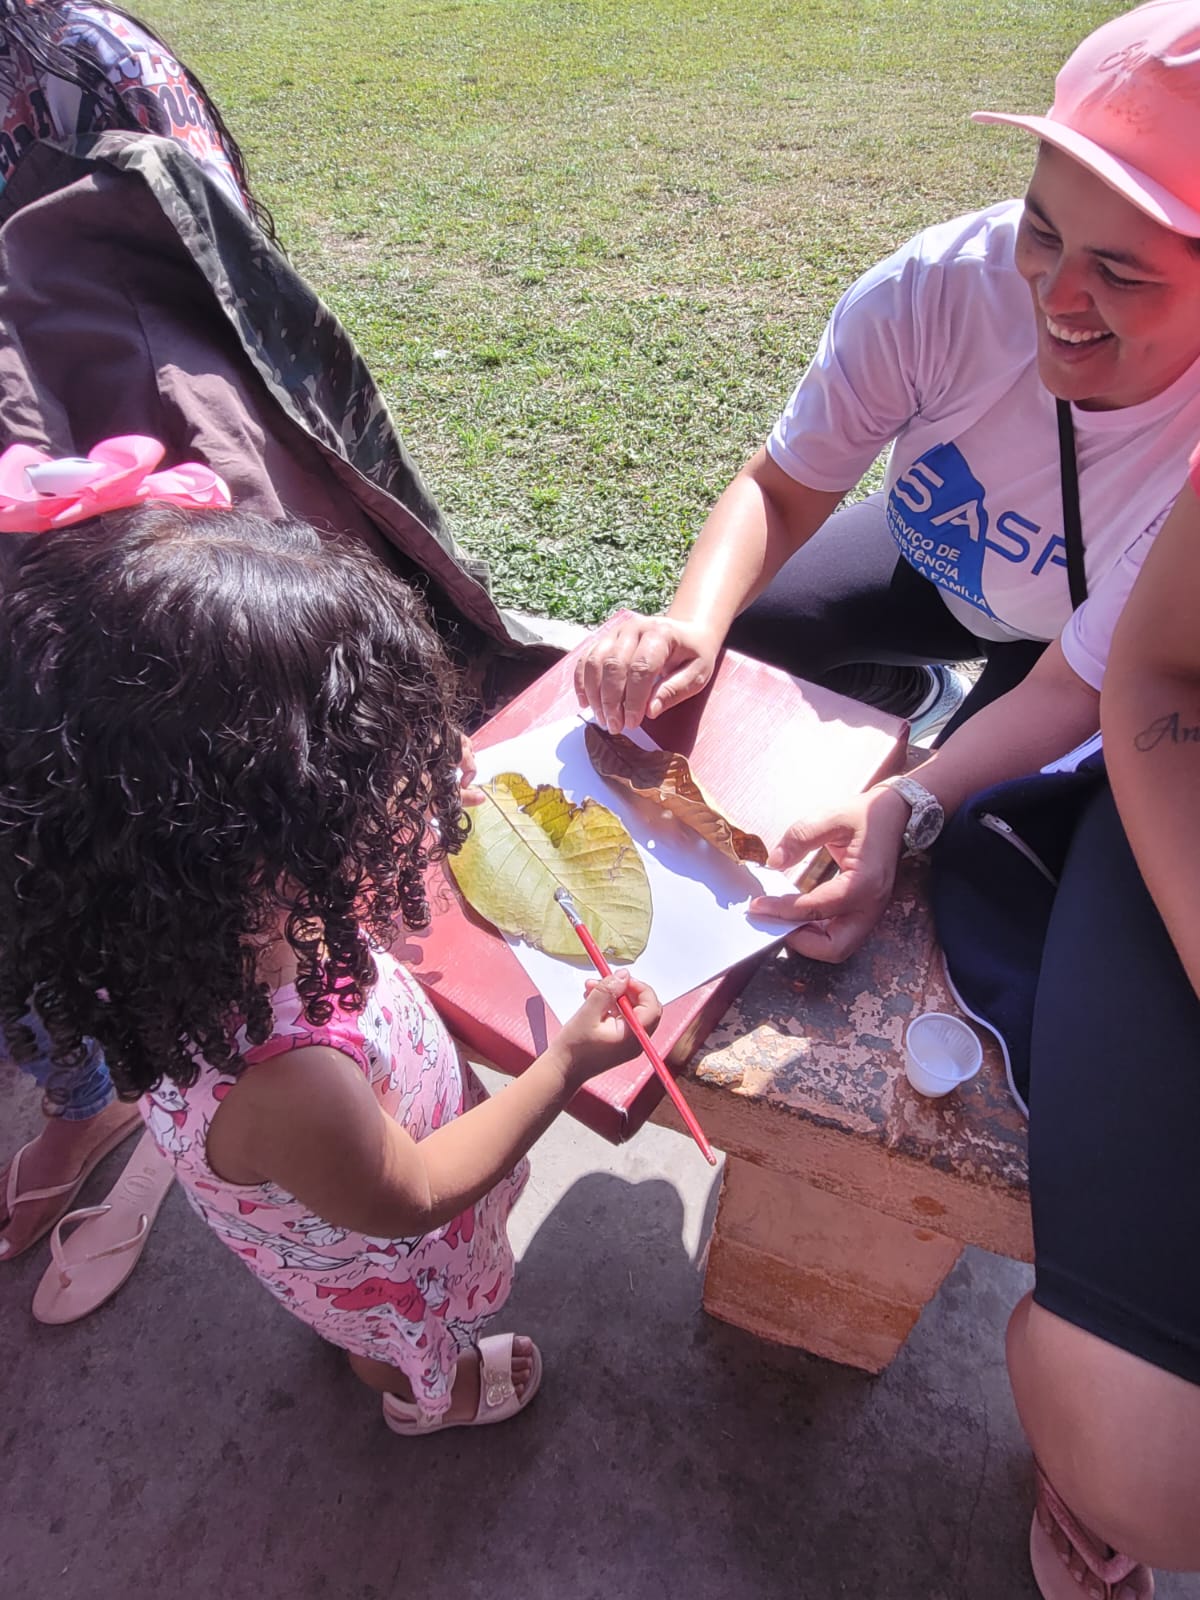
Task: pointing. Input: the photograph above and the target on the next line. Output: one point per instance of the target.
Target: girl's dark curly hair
(45, 31)
(211, 726)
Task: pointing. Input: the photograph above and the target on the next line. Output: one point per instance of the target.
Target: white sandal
(498, 1398)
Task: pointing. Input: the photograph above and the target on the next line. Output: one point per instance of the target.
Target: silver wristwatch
(927, 819)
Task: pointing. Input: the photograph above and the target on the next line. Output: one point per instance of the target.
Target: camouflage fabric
(135, 195)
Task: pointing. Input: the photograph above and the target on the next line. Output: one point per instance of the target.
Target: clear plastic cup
(940, 1052)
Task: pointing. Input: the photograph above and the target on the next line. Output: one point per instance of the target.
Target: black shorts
(1114, 1110)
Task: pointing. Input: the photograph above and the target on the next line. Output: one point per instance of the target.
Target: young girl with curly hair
(228, 753)
(70, 68)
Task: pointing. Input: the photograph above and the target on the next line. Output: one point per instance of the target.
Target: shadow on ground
(192, 1441)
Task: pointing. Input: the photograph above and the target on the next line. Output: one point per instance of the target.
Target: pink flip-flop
(498, 1398)
(89, 1267)
(1069, 1563)
(64, 1193)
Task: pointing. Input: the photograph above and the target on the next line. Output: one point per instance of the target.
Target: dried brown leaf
(664, 778)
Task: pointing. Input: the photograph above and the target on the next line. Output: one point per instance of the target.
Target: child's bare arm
(310, 1122)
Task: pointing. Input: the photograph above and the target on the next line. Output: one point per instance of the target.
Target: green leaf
(525, 843)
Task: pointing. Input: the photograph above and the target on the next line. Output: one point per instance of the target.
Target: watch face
(925, 825)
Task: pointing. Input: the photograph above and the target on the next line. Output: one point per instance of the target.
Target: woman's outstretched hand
(641, 667)
(865, 838)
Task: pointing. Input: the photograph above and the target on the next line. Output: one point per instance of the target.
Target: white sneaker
(948, 688)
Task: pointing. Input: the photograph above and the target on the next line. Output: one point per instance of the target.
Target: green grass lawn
(588, 248)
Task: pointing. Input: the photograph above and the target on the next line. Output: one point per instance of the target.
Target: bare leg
(464, 1402)
(1117, 1437)
(57, 1155)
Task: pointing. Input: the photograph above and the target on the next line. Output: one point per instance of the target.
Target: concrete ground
(191, 1442)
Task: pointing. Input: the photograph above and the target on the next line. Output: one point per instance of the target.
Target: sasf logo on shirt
(938, 518)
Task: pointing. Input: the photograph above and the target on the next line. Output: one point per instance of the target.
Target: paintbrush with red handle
(643, 1038)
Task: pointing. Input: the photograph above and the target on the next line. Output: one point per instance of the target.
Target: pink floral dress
(415, 1303)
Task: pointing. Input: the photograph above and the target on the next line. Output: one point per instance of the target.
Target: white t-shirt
(1087, 638)
(935, 351)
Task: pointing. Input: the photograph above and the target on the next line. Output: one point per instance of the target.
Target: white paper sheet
(699, 925)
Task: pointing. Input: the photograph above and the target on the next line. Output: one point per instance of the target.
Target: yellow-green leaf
(525, 843)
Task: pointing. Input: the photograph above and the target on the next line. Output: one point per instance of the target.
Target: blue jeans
(89, 1090)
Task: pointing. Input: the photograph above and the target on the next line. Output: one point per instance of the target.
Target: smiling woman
(1116, 296)
(1035, 369)
(938, 354)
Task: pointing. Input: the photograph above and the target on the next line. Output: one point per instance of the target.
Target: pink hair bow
(38, 493)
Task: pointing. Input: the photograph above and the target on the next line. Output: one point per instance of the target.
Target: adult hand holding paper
(864, 837)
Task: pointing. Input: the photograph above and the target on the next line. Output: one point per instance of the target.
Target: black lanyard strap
(1072, 526)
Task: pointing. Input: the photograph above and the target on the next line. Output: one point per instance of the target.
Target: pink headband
(38, 493)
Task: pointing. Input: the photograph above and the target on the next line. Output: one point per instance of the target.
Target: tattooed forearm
(1169, 727)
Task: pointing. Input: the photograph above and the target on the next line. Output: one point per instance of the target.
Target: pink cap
(1127, 107)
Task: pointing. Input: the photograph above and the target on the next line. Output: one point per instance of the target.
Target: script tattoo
(1167, 727)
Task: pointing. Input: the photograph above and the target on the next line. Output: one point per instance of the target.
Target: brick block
(803, 1267)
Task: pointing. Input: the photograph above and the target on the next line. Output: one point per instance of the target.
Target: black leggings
(849, 595)
(1114, 1110)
